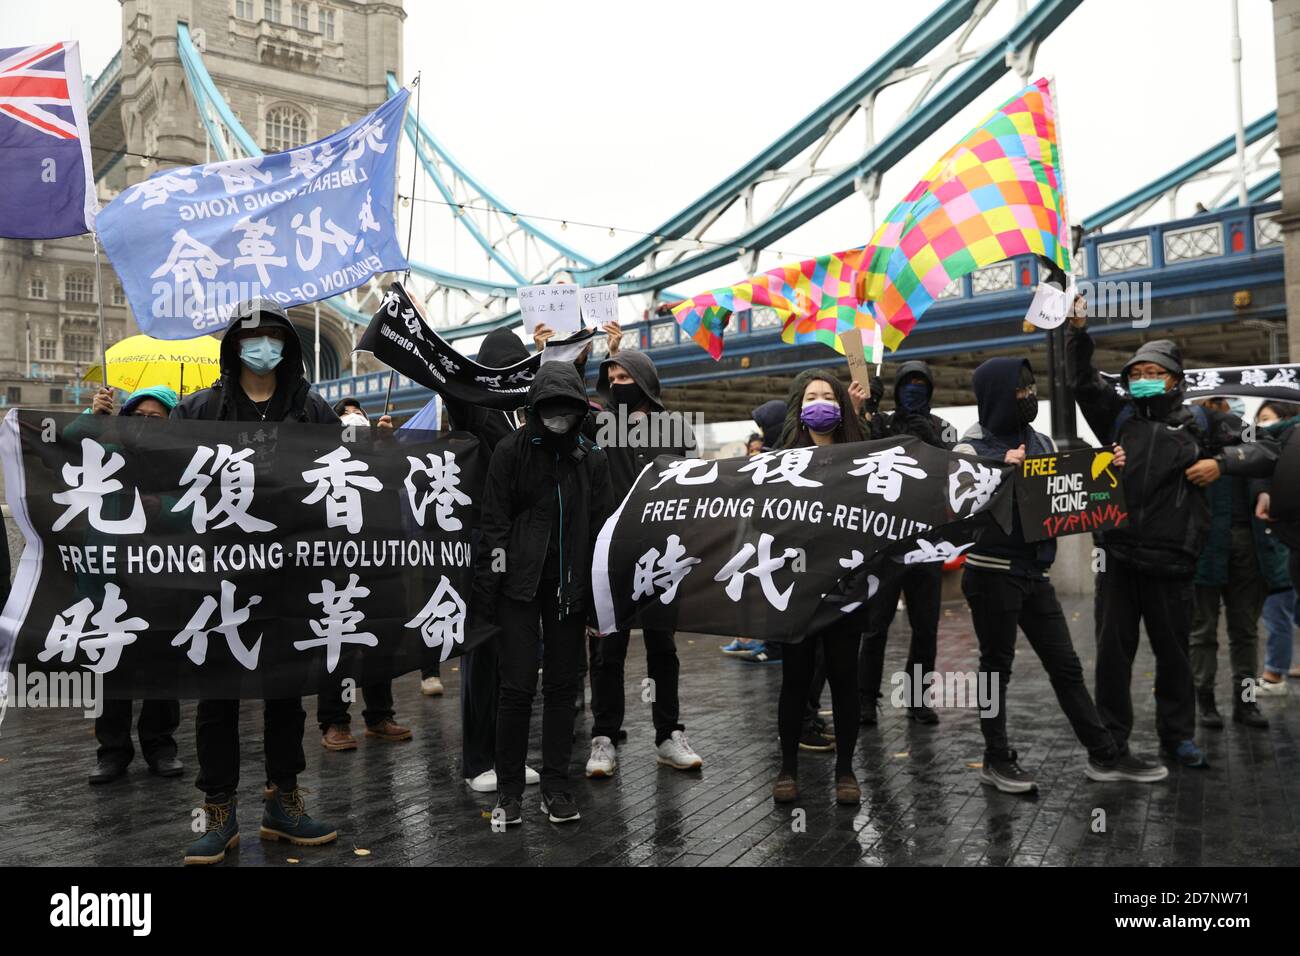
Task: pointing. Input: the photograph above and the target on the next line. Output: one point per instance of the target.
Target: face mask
(1237, 407)
(820, 415)
(1146, 387)
(560, 424)
(1027, 409)
(628, 394)
(356, 418)
(913, 396)
(261, 354)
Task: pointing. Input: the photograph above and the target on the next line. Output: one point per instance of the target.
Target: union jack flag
(44, 144)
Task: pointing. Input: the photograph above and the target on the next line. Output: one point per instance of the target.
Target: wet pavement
(923, 804)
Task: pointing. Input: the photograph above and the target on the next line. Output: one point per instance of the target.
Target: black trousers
(332, 709)
(1126, 598)
(840, 648)
(522, 622)
(217, 737)
(999, 603)
(608, 656)
(478, 709)
(156, 725)
(923, 586)
(432, 669)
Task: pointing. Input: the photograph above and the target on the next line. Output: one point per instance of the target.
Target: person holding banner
(820, 411)
(546, 498)
(921, 583)
(1005, 582)
(1174, 452)
(158, 719)
(261, 380)
(629, 385)
(1280, 606)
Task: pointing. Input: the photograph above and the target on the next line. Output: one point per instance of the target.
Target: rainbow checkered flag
(998, 193)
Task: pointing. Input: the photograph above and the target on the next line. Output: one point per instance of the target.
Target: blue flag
(47, 188)
(191, 243)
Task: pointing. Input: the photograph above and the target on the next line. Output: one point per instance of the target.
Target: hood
(501, 348)
(557, 380)
(915, 366)
(159, 393)
(640, 367)
(1163, 352)
(770, 417)
(253, 314)
(995, 383)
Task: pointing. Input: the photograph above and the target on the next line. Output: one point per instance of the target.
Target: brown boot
(847, 791)
(786, 789)
(389, 730)
(338, 737)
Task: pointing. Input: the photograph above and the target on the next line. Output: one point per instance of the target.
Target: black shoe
(820, 725)
(1247, 712)
(815, 741)
(922, 714)
(621, 736)
(167, 766)
(869, 717)
(508, 811)
(1006, 774)
(559, 807)
(1125, 767)
(108, 769)
(1210, 716)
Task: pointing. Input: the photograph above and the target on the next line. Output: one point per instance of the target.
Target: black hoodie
(923, 423)
(294, 399)
(543, 496)
(501, 348)
(626, 461)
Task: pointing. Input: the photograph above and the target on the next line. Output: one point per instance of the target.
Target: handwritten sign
(1069, 493)
(856, 357)
(599, 305)
(1050, 305)
(555, 306)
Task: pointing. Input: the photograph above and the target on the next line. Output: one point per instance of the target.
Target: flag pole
(99, 299)
(410, 221)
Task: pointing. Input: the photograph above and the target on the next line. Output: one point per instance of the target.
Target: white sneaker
(432, 687)
(1268, 688)
(676, 752)
(486, 782)
(531, 776)
(603, 759)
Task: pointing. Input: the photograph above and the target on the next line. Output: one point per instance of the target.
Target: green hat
(159, 393)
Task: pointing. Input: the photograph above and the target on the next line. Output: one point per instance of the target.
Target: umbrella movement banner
(786, 542)
(235, 559)
(191, 243)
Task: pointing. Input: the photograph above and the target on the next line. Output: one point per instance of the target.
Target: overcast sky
(621, 114)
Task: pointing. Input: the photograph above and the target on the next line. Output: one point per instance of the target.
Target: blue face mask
(261, 354)
(913, 396)
(1146, 387)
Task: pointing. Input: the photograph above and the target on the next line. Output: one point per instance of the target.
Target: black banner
(235, 559)
(1069, 492)
(400, 336)
(1280, 382)
(785, 542)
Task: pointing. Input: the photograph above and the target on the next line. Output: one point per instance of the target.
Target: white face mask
(356, 418)
(560, 424)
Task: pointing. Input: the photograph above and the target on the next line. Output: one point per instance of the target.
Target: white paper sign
(555, 306)
(599, 305)
(1050, 306)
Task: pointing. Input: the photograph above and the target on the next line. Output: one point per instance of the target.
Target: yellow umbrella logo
(1101, 462)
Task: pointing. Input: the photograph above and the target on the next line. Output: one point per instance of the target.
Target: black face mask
(1027, 409)
(630, 395)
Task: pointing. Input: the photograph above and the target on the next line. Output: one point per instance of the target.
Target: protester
(261, 380)
(1240, 565)
(753, 445)
(819, 412)
(1279, 613)
(1147, 566)
(158, 720)
(546, 497)
(922, 584)
(629, 385)
(1005, 581)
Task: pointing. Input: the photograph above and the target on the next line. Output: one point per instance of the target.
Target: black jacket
(997, 432)
(1168, 516)
(537, 489)
(922, 424)
(501, 348)
(293, 400)
(626, 461)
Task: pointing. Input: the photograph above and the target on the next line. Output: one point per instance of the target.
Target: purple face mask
(820, 415)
